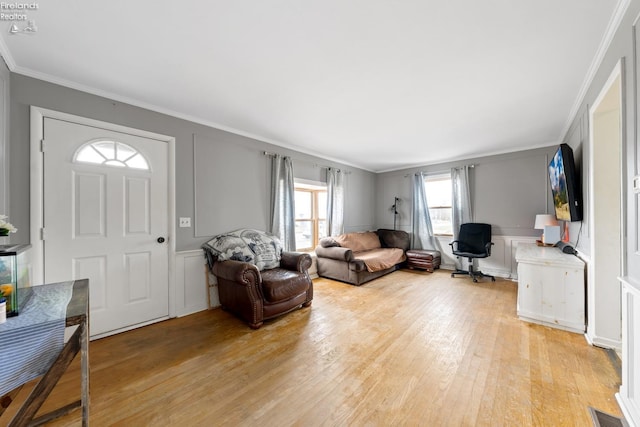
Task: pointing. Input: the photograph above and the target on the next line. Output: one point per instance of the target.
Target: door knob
(160, 239)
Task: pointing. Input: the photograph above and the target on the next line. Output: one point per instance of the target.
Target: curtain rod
(267, 153)
(434, 172)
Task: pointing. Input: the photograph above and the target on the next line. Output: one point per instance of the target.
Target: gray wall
(507, 191)
(221, 178)
(621, 47)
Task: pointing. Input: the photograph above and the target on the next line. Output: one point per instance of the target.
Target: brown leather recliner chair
(256, 295)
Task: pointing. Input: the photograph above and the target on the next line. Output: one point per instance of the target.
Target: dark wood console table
(77, 314)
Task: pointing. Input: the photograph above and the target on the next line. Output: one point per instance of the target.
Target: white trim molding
(629, 396)
(603, 302)
(614, 23)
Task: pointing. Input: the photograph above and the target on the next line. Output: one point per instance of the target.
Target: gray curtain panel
(461, 198)
(461, 202)
(282, 201)
(421, 229)
(335, 202)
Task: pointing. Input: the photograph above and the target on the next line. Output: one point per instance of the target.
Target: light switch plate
(185, 222)
(636, 184)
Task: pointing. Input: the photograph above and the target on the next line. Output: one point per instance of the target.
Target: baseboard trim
(605, 343)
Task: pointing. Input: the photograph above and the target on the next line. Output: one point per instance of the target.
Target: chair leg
(474, 274)
(468, 272)
(458, 271)
(477, 274)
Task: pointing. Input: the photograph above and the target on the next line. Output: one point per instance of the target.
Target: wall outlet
(185, 222)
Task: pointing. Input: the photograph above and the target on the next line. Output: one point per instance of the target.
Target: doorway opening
(606, 214)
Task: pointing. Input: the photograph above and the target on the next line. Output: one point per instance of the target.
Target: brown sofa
(357, 258)
(256, 279)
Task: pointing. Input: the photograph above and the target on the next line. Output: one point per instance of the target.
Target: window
(311, 213)
(438, 189)
(111, 153)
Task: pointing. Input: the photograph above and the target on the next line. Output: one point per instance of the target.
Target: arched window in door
(111, 153)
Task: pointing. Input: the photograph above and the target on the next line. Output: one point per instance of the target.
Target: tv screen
(564, 185)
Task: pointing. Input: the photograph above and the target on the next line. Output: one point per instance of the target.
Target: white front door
(105, 219)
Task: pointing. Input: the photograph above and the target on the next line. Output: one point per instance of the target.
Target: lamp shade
(544, 219)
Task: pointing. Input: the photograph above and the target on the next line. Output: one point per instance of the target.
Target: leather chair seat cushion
(280, 285)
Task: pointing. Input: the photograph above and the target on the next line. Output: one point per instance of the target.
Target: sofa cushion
(280, 285)
(394, 238)
(357, 242)
(381, 259)
(328, 242)
(247, 245)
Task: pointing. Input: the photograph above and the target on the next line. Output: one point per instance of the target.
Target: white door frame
(592, 334)
(38, 115)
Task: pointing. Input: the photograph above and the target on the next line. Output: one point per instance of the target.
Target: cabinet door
(552, 295)
(563, 296)
(529, 290)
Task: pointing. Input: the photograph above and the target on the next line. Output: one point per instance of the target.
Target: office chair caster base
(458, 271)
(479, 275)
(474, 274)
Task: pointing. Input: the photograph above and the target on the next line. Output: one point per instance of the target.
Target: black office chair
(474, 241)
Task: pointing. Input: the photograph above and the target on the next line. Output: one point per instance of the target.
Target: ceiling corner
(612, 27)
(6, 55)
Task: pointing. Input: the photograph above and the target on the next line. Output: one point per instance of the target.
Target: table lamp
(550, 227)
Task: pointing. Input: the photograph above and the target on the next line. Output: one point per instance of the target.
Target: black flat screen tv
(564, 185)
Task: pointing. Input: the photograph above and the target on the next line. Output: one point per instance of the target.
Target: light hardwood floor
(411, 348)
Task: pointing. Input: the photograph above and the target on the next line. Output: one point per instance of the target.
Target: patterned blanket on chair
(257, 247)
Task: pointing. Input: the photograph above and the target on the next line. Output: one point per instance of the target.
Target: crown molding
(472, 157)
(612, 27)
(155, 108)
(6, 55)
(614, 23)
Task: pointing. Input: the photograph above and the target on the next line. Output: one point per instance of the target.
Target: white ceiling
(377, 84)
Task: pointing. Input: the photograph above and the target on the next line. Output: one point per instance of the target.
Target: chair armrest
(487, 247)
(237, 271)
(456, 242)
(296, 261)
(335, 252)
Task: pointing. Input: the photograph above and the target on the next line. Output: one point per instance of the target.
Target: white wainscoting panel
(313, 270)
(629, 396)
(513, 246)
(501, 263)
(447, 260)
(191, 285)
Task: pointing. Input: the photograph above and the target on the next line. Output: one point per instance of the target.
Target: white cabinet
(551, 287)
